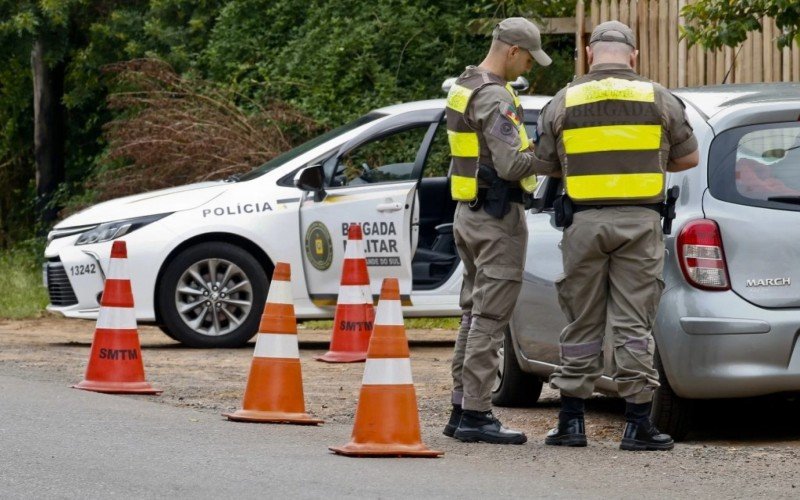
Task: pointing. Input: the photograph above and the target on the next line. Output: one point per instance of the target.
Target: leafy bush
(174, 129)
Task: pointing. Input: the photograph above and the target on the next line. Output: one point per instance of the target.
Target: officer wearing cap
(492, 166)
(612, 135)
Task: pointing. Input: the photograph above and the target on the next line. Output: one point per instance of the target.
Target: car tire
(227, 308)
(166, 331)
(671, 413)
(514, 387)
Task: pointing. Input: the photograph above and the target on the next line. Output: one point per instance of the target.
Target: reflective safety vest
(612, 138)
(467, 147)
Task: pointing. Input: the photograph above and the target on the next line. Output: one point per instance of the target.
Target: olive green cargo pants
(493, 253)
(613, 265)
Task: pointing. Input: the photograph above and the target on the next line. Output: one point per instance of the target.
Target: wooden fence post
(776, 54)
(624, 14)
(758, 57)
(644, 37)
(767, 48)
(663, 42)
(672, 28)
(580, 49)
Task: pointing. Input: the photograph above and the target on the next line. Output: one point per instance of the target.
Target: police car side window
(438, 161)
(388, 158)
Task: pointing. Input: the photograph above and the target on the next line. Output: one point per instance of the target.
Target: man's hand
(531, 146)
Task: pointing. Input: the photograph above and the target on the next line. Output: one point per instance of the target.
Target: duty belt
(657, 207)
(515, 195)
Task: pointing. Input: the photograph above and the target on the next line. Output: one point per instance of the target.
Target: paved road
(57, 442)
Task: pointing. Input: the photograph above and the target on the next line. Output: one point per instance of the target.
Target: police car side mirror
(310, 179)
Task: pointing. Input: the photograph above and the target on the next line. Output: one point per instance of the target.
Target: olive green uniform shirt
(482, 115)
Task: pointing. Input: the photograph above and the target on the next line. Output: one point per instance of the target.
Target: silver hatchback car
(729, 319)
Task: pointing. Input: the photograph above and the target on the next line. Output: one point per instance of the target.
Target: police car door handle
(389, 207)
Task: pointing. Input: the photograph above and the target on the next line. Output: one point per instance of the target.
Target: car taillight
(701, 256)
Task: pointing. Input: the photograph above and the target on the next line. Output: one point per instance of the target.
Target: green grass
(23, 294)
(411, 323)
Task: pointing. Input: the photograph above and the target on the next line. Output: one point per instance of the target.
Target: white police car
(200, 255)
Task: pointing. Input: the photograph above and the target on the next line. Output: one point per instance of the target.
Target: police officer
(612, 134)
(492, 166)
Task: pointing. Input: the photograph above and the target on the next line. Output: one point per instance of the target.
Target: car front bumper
(74, 279)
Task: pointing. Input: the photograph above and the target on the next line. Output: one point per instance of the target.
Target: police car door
(371, 181)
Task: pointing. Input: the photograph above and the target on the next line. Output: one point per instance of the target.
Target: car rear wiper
(785, 199)
(233, 178)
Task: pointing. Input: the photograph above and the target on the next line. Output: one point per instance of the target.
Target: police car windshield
(307, 146)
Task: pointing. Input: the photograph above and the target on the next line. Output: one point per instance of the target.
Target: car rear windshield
(308, 146)
(757, 165)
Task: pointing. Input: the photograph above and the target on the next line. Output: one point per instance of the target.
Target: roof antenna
(733, 63)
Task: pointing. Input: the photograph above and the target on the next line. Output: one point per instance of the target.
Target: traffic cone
(274, 390)
(352, 322)
(387, 420)
(115, 361)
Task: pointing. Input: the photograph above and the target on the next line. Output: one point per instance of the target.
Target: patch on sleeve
(510, 112)
(505, 130)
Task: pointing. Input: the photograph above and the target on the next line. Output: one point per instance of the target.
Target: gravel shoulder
(740, 449)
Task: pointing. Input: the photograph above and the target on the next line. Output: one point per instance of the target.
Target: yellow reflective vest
(467, 148)
(612, 139)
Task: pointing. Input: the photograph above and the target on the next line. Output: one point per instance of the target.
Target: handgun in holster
(564, 210)
(496, 201)
(668, 208)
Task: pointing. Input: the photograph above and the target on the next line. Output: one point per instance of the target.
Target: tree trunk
(49, 133)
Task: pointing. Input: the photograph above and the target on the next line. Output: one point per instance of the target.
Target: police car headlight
(112, 230)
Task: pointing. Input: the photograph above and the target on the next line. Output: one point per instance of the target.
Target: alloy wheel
(213, 297)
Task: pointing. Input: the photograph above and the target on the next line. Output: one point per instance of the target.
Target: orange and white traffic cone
(274, 390)
(352, 322)
(387, 419)
(115, 361)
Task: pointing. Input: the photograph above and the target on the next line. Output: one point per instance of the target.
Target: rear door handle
(389, 207)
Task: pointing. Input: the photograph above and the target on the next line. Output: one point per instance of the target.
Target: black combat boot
(477, 426)
(455, 419)
(571, 430)
(640, 433)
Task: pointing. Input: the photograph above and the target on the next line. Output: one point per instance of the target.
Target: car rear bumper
(721, 346)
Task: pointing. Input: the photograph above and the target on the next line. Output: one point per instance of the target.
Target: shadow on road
(757, 421)
(749, 421)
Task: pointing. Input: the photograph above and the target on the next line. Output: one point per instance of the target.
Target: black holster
(497, 198)
(668, 209)
(564, 211)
